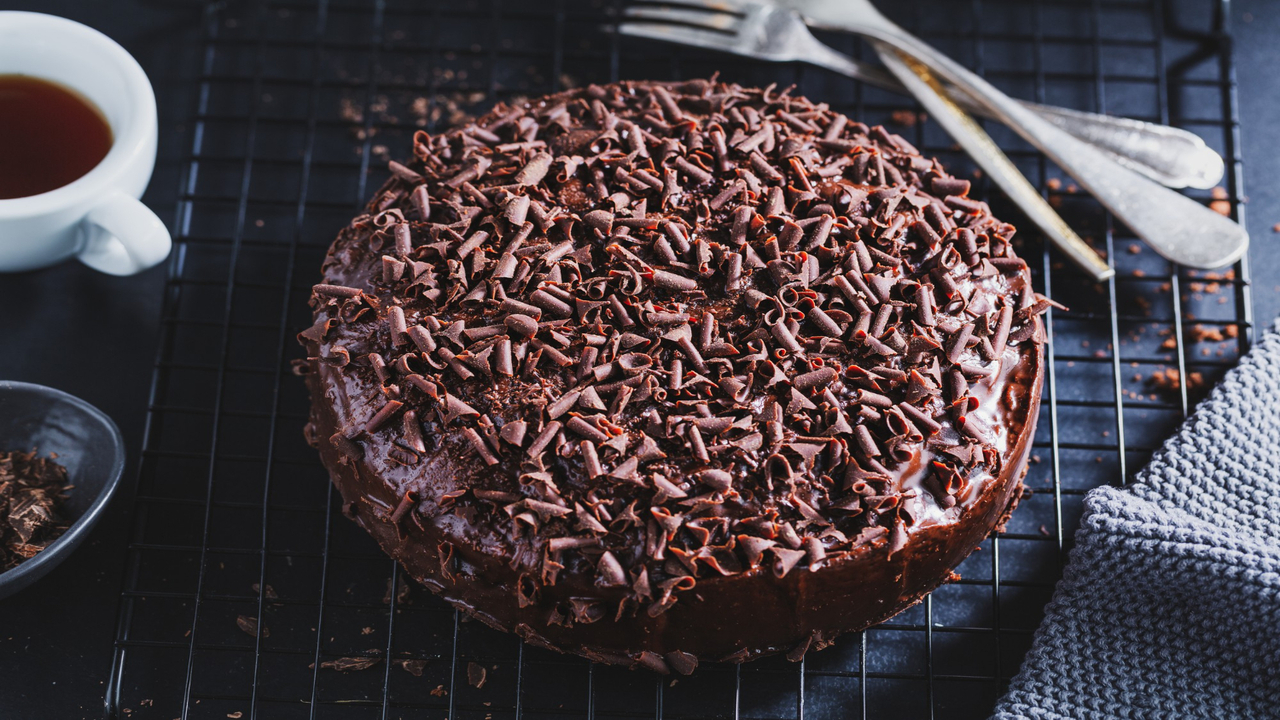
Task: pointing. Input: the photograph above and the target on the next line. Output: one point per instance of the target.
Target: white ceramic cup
(98, 217)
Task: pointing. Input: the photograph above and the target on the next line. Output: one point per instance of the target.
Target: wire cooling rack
(247, 594)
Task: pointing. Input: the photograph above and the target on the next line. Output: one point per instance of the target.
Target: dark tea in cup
(50, 136)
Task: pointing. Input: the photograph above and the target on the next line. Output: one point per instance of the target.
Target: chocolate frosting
(657, 373)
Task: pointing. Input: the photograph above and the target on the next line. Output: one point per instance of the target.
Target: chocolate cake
(667, 373)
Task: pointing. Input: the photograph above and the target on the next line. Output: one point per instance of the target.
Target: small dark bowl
(88, 445)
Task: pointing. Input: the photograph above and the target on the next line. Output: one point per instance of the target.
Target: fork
(1170, 156)
(1176, 226)
(971, 137)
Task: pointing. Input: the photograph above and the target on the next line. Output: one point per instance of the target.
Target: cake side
(654, 373)
(735, 619)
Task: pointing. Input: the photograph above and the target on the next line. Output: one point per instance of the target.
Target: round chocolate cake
(669, 373)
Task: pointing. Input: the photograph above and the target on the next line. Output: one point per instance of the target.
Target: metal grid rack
(299, 104)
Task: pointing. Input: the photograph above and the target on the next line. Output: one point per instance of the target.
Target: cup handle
(124, 237)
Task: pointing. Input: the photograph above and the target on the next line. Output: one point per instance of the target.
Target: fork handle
(1171, 156)
(1175, 226)
(975, 141)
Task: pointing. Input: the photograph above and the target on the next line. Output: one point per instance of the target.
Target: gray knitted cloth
(1170, 603)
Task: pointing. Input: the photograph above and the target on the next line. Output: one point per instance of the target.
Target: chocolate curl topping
(480, 447)
(412, 431)
(783, 335)
(551, 303)
(698, 446)
(563, 403)
(503, 361)
(422, 338)
(825, 324)
(785, 560)
(403, 239)
(975, 427)
(716, 479)
(383, 415)
(544, 438)
(958, 343)
(815, 379)
(457, 409)
(599, 220)
(338, 291)
(534, 171)
(421, 202)
(1008, 264)
(587, 430)
(697, 174)
(924, 305)
(396, 323)
(866, 442)
(672, 281)
(590, 460)
(471, 243)
(668, 103)
(403, 172)
(920, 417)
(866, 397)
(516, 209)
(514, 432)
(706, 290)
(521, 325)
(733, 275)
(392, 269)
(1000, 337)
(944, 186)
(609, 572)
(691, 352)
(406, 501)
(561, 544)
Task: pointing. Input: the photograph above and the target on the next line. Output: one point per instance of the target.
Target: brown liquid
(49, 136)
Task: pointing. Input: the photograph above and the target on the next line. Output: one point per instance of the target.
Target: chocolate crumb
(249, 625)
(1202, 333)
(350, 664)
(268, 592)
(906, 118)
(413, 667)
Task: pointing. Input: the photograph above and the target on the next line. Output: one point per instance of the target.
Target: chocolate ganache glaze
(661, 373)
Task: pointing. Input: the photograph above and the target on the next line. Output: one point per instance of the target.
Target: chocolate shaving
(672, 281)
(609, 571)
(350, 664)
(958, 343)
(383, 415)
(716, 479)
(815, 379)
(533, 171)
(336, 291)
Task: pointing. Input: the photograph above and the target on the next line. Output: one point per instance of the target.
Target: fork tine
(681, 35)
(734, 7)
(683, 15)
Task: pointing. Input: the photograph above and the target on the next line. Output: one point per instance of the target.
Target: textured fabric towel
(1169, 606)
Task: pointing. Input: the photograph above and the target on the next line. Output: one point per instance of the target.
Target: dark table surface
(94, 336)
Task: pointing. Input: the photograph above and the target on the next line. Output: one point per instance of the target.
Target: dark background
(94, 336)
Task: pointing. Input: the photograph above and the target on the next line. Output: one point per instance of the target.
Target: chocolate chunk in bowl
(667, 373)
